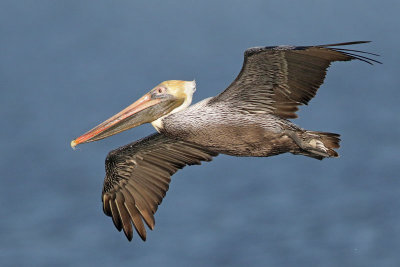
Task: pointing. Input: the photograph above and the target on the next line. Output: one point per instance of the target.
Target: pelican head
(166, 98)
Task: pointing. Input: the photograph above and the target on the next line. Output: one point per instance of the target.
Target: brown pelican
(249, 118)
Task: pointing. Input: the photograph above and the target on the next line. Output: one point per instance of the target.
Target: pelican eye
(161, 90)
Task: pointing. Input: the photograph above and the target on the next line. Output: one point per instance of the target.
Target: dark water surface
(65, 66)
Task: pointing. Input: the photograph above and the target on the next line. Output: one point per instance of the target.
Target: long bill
(132, 116)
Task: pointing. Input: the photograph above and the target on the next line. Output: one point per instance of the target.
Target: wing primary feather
(357, 51)
(106, 205)
(115, 217)
(144, 211)
(132, 209)
(360, 57)
(133, 214)
(137, 221)
(124, 215)
(345, 43)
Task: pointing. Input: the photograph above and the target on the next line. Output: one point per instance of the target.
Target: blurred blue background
(65, 66)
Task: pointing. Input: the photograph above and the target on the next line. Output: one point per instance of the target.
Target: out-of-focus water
(65, 66)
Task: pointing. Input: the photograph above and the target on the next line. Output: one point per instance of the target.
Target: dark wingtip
(351, 52)
(119, 227)
(129, 235)
(345, 43)
(143, 238)
(142, 235)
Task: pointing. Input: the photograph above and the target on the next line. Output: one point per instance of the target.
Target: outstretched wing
(277, 79)
(138, 176)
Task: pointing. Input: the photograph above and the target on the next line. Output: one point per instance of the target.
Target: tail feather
(331, 141)
(320, 145)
